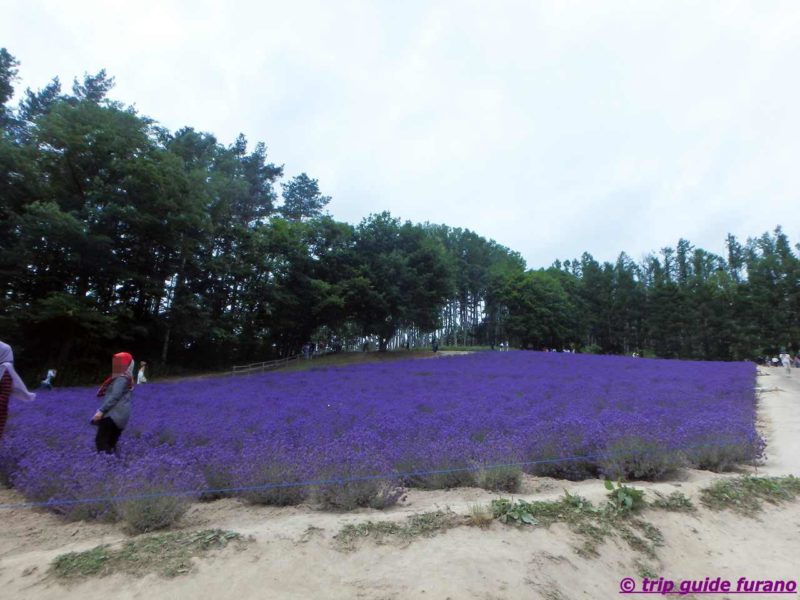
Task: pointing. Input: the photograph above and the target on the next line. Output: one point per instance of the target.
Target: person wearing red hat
(112, 417)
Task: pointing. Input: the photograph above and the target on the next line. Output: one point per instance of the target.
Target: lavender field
(572, 416)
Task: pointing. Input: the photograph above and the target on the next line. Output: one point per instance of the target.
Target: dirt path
(780, 411)
(294, 554)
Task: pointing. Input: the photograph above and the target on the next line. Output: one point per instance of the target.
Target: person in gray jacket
(112, 417)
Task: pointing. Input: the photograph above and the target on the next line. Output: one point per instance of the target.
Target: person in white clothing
(11, 386)
(786, 361)
(47, 382)
(140, 376)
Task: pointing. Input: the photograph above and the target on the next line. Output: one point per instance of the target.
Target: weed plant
(169, 554)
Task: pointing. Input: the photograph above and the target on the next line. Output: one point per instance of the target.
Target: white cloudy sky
(552, 127)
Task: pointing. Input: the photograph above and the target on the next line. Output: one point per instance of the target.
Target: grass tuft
(747, 494)
(421, 525)
(169, 554)
(480, 515)
(594, 524)
(675, 502)
(82, 564)
(644, 570)
(143, 515)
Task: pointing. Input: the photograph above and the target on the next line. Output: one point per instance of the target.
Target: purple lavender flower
(561, 414)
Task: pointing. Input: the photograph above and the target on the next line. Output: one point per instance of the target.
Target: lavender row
(628, 417)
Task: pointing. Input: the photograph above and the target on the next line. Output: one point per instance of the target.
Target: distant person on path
(786, 361)
(112, 417)
(435, 345)
(11, 386)
(47, 382)
(140, 376)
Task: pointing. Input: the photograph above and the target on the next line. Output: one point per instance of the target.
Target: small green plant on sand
(623, 499)
(480, 515)
(510, 512)
(647, 542)
(421, 525)
(675, 502)
(570, 508)
(747, 494)
(593, 524)
(169, 554)
(645, 570)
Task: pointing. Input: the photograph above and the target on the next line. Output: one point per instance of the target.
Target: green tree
(8, 74)
(302, 198)
(540, 313)
(399, 278)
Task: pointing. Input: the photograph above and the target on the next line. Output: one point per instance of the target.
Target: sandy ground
(780, 415)
(294, 555)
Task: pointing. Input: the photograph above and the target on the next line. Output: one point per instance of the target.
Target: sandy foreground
(294, 555)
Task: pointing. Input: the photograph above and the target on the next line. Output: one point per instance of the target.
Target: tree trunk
(165, 346)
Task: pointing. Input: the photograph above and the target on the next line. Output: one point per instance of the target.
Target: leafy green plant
(747, 494)
(517, 513)
(169, 554)
(595, 524)
(415, 526)
(675, 502)
(622, 498)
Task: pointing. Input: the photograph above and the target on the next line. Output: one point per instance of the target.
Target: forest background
(116, 233)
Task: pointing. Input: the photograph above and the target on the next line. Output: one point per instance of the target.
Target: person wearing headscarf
(112, 417)
(11, 386)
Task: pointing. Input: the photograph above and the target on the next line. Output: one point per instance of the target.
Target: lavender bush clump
(267, 462)
(621, 417)
(155, 490)
(350, 464)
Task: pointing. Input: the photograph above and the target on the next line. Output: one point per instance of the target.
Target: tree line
(195, 255)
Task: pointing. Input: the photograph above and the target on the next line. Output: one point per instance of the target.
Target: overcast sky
(552, 127)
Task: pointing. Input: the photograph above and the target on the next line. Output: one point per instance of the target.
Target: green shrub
(637, 458)
(500, 479)
(145, 514)
(376, 493)
(277, 496)
(624, 499)
(721, 457)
